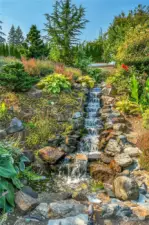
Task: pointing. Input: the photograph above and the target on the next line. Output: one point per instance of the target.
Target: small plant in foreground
(11, 164)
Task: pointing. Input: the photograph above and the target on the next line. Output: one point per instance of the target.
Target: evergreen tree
(12, 36)
(19, 39)
(2, 39)
(6, 50)
(64, 26)
(35, 43)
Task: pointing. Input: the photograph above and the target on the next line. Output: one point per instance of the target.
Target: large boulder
(126, 188)
(123, 160)
(106, 100)
(16, 125)
(101, 172)
(132, 151)
(105, 158)
(112, 148)
(51, 155)
(65, 209)
(81, 219)
(25, 202)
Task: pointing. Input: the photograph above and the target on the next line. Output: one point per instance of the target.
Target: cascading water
(93, 124)
(89, 143)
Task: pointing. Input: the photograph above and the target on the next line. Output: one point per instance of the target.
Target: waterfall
(77, 171)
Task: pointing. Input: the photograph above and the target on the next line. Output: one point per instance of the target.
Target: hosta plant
(86, 81)
(12, 162)
(54, 83)
(128, 107)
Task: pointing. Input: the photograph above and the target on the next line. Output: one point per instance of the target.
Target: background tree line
(63, 28)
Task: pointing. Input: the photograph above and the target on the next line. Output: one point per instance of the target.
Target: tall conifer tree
(64, 26)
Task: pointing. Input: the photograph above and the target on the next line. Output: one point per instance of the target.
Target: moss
(96, 185)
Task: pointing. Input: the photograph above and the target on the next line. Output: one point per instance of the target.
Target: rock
(66, 208)
(109, 190)
(109, 210)
(30, 155)
(132, 151)
(80, 196)
(120, 127)
(35, 93)
(42, 209)
(142, 177)
(109, 125)
(72, 140)
(55, 142)
(112, 148)
(115, 167)
(141, 211)
(25, 202)
(29, 191)
(126, 188)
(77, 115)
(51, 155)
(123, 160)
(106, 100)
(125, 173)
(143, 189)
(15, 126)
(93, 156)
(105, 159)
(81, 219)
(81, 157)
(3, 134)
(54, 197)
(101, 172)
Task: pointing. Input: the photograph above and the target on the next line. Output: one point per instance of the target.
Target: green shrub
(14, 77)
(134, 49)
(11, 163)
(82, 61)
(54, 83)
(3, 111)
(128, 107)
(146, 119)
(97, 74)
(86, 81)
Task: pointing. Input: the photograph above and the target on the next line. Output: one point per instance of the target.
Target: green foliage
(145, 116)
(128, 107)
(82, 61)
(11, 163)
(54, 83)
(96, 186)
(34, 46)
(3, 111)
(13, 76)
(134, 49)
(117, 31)
(86, 81)
(2, 39)
(97, 74)
(64, 26)
(134, 89)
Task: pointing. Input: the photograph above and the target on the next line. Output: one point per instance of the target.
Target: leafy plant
(128, 107)
(3, 110)
(135, 88)
(54, 83)
(82, 61)
(145, 116)
(13, 76)
(86, 81)
(11, 163)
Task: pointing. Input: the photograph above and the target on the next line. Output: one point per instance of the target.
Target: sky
(100, 13)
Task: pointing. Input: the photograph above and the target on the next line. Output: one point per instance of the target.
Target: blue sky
(100, 13)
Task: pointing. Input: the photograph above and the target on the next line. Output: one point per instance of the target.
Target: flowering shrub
(125, 67)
